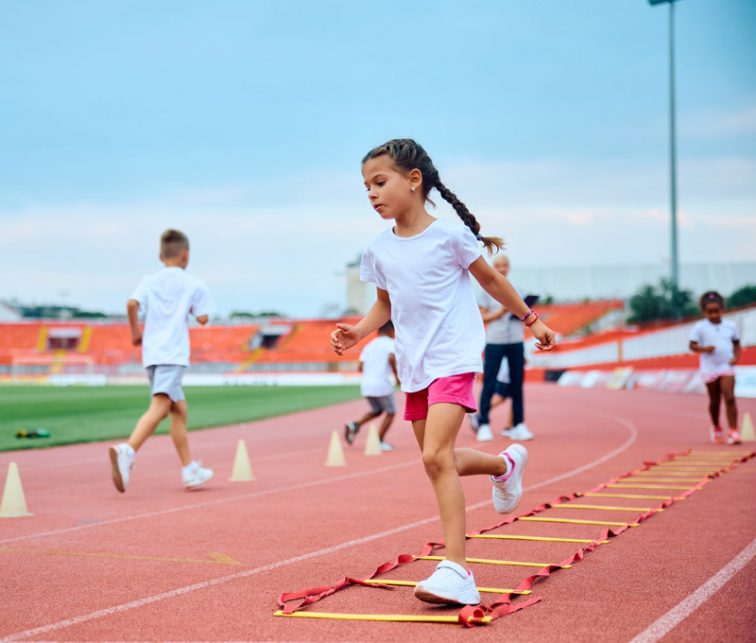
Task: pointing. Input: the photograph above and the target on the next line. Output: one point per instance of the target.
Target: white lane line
(662, 626)
(210, 503)
(147, 600)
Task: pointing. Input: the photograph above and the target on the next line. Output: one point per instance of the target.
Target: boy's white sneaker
(387, 446)
(520, 432)
(195, 474)
(484, 433)
(507, 489)
(474, 421)
(449, 583)
(121, 463)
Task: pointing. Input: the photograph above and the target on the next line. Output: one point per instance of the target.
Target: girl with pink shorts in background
(421, 268)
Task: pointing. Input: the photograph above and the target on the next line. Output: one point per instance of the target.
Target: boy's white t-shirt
(167, 298)
(439, 330)
(376, 369)
(720, 336)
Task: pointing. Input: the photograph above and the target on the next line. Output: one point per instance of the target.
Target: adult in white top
(167, 298)
(505, 339)
(421, 268)
(717, 341)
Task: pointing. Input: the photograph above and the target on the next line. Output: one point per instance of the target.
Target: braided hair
(409, 155)
(712, 297)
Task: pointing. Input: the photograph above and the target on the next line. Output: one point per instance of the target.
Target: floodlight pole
(674, 258)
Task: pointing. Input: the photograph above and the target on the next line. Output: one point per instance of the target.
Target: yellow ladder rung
(629, 496)
(573, 521)
(646, 486)
(666, 472)
(493, 561)
(604, 507)
(411, 583)
(399, 618)
(649, 479)
(543, 539)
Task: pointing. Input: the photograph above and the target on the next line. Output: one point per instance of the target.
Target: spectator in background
(505, 337)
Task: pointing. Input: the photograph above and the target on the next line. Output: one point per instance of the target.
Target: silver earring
(412, 189)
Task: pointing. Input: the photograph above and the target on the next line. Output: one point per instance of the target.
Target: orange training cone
(373, 442)
(335, 452)
(13, 504)
(746, 429)
(242, 471)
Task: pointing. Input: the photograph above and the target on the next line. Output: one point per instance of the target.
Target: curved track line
(147, 600)
(686, 607)
(209, 503)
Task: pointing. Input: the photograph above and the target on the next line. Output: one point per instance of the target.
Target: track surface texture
(161, 563)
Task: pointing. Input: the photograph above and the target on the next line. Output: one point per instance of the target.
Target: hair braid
(409, 155)
(492, 244)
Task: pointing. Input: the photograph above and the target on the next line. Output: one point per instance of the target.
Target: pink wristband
(535, 319)
(527, 314)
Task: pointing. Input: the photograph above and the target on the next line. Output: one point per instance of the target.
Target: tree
(659, 303)
(742, 297)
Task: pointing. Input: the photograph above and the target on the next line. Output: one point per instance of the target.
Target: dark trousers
(494, 355)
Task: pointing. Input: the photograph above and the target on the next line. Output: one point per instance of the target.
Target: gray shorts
(166, 379)
(383, 404)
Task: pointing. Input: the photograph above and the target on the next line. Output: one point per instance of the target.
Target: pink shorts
(455, 389)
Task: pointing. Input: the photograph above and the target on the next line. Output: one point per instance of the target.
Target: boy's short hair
(386, 328)
(173, 243)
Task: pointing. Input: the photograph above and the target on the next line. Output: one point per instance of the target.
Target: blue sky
(243, 123)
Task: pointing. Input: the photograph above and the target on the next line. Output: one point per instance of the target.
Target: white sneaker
(484, 433)
(121, 462)
(387, 446)
(474, 421)
(195, 474)
(521, 432)
(506, 493)
(507, 433)
(449, 583)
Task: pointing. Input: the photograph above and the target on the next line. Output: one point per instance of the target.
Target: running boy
(718, 342)
(377, 363)
(167, 298)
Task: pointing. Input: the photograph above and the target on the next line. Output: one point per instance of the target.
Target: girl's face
(390, 191)
(713, 312)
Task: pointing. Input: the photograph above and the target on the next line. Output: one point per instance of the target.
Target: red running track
(159, 563)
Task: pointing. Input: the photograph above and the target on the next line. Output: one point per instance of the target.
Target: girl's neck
(412, 222)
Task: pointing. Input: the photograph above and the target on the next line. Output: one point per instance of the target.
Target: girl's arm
(735, 352)
(500, 289)
(347, 335)
(696, 348)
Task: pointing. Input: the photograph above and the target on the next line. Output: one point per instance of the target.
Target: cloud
(283, 244)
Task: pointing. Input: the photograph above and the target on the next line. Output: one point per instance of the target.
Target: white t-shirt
(376, 370)
(505, 330)
(439, 331)
(720, 336)
(167, 298)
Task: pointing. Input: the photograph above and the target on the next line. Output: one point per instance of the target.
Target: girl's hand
(733, 361)
(708, 349)
(544, 335)
(344, 337)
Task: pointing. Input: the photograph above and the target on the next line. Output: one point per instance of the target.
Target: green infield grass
(89, 414)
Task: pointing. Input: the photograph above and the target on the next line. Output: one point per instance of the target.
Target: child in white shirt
(167, 298)
(421, 267)
(377, 365)
(718, 342)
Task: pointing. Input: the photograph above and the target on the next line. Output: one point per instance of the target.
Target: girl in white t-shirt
(421, 267)
(718, 342)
